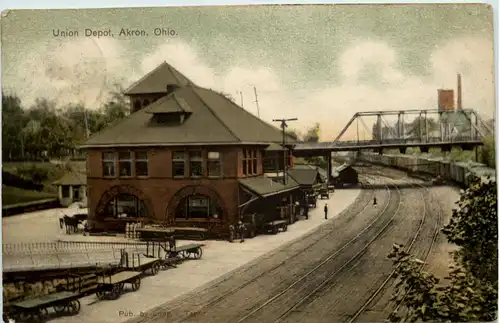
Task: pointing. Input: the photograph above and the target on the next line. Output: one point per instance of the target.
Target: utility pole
(283, 127)
(256, 101)
(241, 98)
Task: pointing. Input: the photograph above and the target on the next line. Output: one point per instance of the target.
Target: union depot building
(186, 156)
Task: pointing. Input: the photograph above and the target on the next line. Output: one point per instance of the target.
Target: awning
(264, 187)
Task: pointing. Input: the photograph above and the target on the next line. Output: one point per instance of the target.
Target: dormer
(169, 110)
(158, 83)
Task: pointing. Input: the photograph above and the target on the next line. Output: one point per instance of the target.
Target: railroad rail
(330, 277)
(397, 304)
(358, 206)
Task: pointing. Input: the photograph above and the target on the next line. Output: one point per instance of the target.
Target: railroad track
(213, 307)
(198, 313)
(258, 314)
(410, 248)
(360, 205)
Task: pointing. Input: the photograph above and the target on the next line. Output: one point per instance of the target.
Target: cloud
(71, 71)
(371, 79)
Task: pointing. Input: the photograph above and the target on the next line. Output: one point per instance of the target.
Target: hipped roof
(214, 120)
(72, 178)
(157, 80)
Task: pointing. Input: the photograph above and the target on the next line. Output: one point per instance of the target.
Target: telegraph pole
(241, 97)
(256, 101)
(283, 127)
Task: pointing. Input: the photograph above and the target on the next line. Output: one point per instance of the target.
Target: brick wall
(160, 188)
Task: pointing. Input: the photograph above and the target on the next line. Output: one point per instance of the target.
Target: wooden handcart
(324, 193)
(134, 262)
(154, 250)
(36, 310)
(112, 286)
(275, 226)
(189, 251)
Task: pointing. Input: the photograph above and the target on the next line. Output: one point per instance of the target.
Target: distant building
(72, 187)
(186, 156)
(446, 100)
(345, 175)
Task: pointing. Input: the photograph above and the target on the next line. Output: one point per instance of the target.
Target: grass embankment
(44, 173)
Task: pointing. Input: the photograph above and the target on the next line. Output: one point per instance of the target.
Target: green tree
(471, 291)
(487, 156)
(13, 119)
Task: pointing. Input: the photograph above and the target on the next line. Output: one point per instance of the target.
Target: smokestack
(459, 92)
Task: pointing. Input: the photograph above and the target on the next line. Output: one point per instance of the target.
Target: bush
(35, 173)
(471, 291)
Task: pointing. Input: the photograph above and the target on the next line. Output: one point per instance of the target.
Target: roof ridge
(173, 74)
(214, 114)
(178, 103)
(145, 76)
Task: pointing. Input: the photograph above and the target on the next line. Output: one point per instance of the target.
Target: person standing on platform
(326, 211)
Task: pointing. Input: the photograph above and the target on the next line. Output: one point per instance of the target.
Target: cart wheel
(198, 253)
(136, 284)
(155, 268)
(275, 230)
(73, 307)
(285, 228)
(115, 292)
(76, 306)
(100, 294)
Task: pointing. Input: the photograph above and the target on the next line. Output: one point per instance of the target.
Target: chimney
(459, 92)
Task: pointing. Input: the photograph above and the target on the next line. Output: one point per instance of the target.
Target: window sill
(108, 176)
(142, 176)
(198, 220)
(214, 176)
(126, 177)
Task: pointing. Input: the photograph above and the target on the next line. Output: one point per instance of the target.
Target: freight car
(457, 172)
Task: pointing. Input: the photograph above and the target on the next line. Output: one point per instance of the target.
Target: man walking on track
(326, 211)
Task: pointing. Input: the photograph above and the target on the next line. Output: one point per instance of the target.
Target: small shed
(71, 188)
(309, 179)
(345, 175)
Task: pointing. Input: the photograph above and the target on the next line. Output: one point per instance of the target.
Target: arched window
(126, 206)
(197, 207)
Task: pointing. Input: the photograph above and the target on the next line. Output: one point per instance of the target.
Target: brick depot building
(185, 156)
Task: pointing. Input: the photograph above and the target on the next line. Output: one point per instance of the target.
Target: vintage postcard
(250, 163)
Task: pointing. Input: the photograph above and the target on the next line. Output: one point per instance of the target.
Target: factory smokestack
(459, 92)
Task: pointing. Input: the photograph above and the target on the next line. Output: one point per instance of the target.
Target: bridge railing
(375, 143)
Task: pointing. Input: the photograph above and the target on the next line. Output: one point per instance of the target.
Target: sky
(317, 63)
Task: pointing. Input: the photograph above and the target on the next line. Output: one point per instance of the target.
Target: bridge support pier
(329, 168)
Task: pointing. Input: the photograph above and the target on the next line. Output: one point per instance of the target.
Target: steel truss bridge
(408, 128)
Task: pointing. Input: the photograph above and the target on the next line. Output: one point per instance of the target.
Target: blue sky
(301, 60)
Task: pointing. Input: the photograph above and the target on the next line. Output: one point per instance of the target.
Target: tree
(13, 120)
(312, 134)
(487, 156)
(471, 291)
(417, 127)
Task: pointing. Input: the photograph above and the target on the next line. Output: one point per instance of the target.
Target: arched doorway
(126, 206)
(196, 204)
(197, 207)
(124, 201)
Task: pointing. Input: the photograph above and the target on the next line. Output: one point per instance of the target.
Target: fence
(64, 254)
